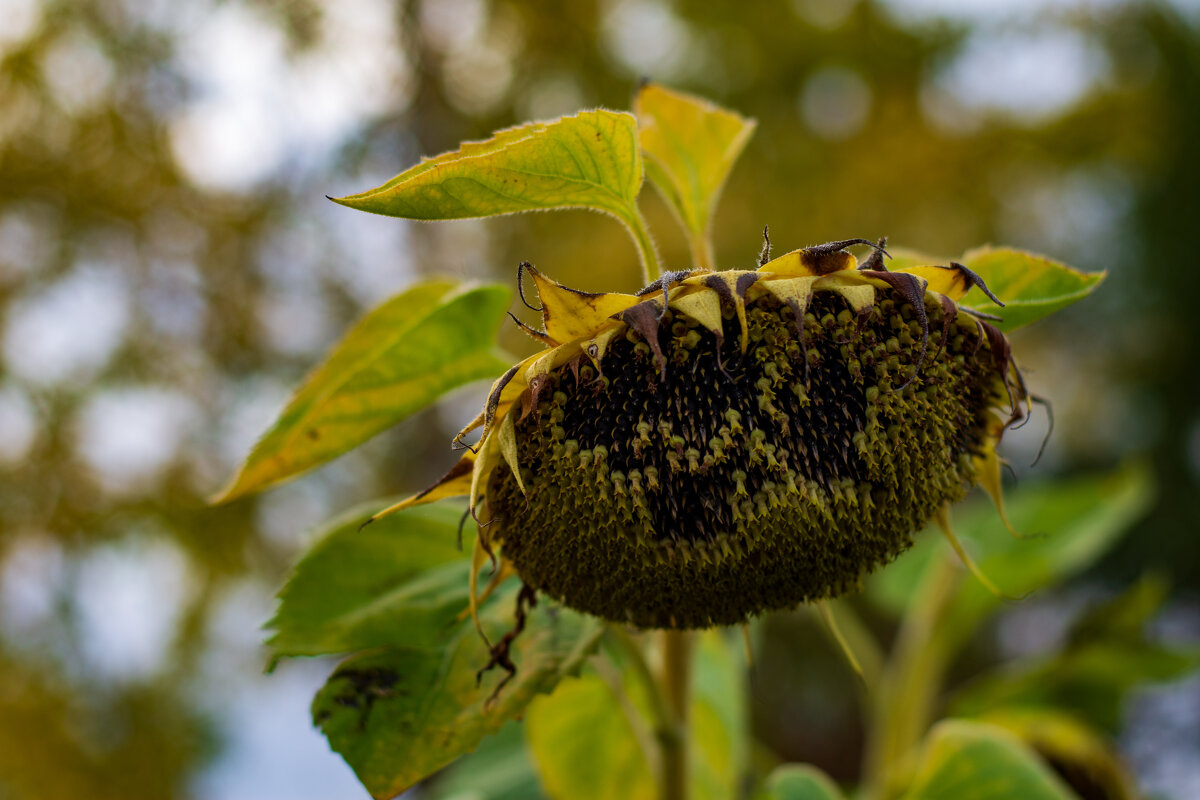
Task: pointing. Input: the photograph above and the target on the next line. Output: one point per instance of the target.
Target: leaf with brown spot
(394, 733)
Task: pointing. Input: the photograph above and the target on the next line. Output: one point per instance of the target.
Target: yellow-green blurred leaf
(499, 769)
(690, 147)
(589, 160)
(400, 581)
(589, 717)
(1107, 654)
(401, 714)
(799, 782)
(584, 746)
(1069, 524)
(720, 737)
(396, 360)
(973, 761)
(1085, 759)
(1031, 286)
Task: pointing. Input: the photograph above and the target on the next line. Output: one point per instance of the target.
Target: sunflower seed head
(687, 479)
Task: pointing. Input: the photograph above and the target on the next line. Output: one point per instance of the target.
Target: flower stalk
(647, 252)
(676, 681)
(907, 693)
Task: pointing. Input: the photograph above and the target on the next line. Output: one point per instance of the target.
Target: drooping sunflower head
(727, 443)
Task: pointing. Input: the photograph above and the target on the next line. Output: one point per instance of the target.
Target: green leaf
(499, 769)
(720, 730)
(1091, 681)
(1068, 525)
(1031, 286)
(584, 745)
(799, 782)
(399, 715)
(400, 581)
(1084, 758)
(584, 727)
(690, 147)
(972, 761)
(589, 160)
(1106, 655)
(396, 360)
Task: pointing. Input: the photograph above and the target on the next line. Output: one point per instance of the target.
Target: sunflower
(725, 443)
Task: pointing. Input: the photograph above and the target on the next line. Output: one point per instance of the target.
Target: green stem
(633, 219)
(676, 687)
(911, 681)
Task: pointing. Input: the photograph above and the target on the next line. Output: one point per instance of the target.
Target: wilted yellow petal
(479, 556)
(855, 288)
(474, 424)
(952, 282)
(730, 286)
(805, 262)
(504, 392)
(943, 521)
(702, 306)
(484, 464)
(570, 314)
(793, 291)
(549, 360)
(507, 441)
(455, 483)
(990, 480)
(595, 347)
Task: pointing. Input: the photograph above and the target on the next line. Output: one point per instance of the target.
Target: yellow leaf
(589, 160)
(690, 147)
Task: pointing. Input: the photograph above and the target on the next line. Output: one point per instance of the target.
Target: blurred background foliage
(169, 267)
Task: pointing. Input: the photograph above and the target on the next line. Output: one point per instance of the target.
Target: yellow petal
(703, 306)
(857, 290)
(504, 392)
(796, 292)
(804, 262)
(570, 314)
(455, 483)
(950, 281)
(506, 436)
(479, 555)
(836, 633)
(730, 286)
(943, 520)
(485, 462)
(504, 571)
(991, 481)
(598, 344)
(544, 363)
(478, 422)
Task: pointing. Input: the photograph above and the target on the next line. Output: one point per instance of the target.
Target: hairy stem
(676, 687)
(647, 252)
